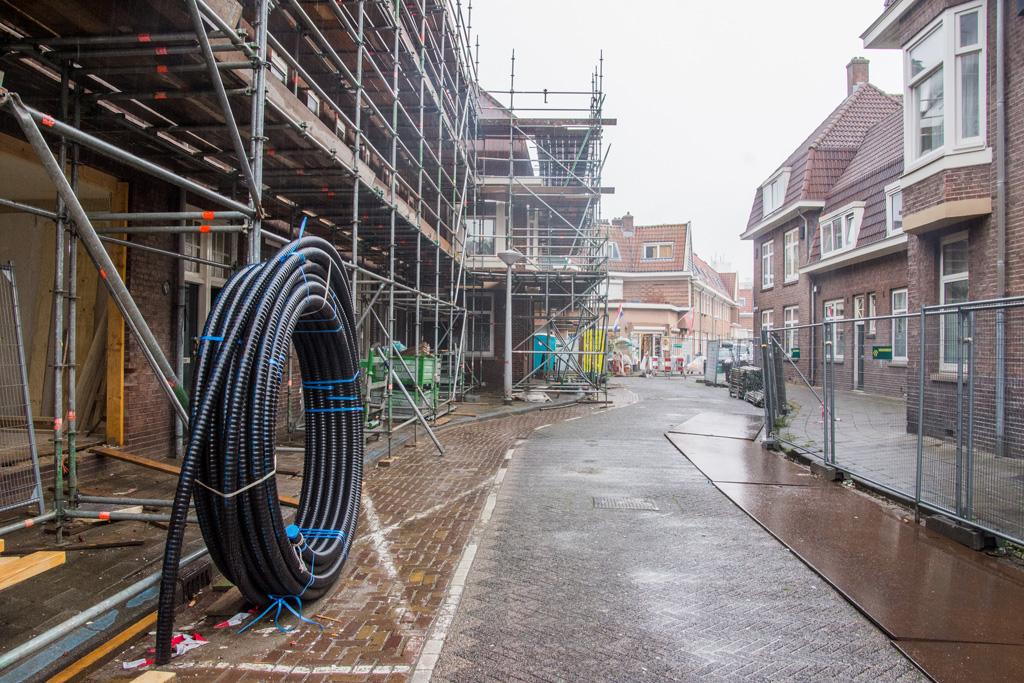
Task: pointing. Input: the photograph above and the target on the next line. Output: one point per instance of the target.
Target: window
(948, 58)
(952, 290)
(894, 212)
(835, 333)
(872, 312)
(858, 307)
(480, 237)
(659, 251)
(791, 255)
(840, 233)
(899, 325)
(767, 319)
(481, 328)
(203, 283)
(742, 301)
(612, 251)
(767, 273)
(313, 102)
(773, 192)
(791, 318)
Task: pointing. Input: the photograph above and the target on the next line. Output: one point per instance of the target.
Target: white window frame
(839, 343)
(768, 319)
(475, 237)
(944, 364)
(773, 191)
(475, 310)
(313, 102)
(790, 319)
(872, 312)
(206, 276)
(847, 220)
(657, 246)
(900, 325)
(953, 142)
(891, 192)
(768, 256)
(613, 252)
(278, 66)
(858, 307)
(791, 255)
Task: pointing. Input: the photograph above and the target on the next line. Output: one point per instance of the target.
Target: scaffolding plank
(27, 566)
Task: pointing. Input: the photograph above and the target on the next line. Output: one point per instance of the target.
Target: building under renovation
(151, 149)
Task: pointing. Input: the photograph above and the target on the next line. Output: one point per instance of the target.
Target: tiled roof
(709, 276)
(729, 280)
(878, 163)
(819, 161)
(631, 248)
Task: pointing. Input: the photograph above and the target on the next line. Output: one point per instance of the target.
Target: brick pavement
(416, 519)
(563, 591)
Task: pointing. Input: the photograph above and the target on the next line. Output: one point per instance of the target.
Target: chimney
(627, 224)
(856, 73)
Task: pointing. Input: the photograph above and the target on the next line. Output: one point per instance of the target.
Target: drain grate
(602, 503)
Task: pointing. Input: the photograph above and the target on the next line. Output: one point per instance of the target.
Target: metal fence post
(830, 401)
(826, 406)
(919, 474)
(959, 458)
(969, 457)
(769, 424)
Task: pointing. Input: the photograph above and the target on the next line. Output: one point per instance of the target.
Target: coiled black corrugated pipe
(298, 298)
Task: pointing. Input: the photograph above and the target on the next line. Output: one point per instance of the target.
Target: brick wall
(149, 421)
(675, 292)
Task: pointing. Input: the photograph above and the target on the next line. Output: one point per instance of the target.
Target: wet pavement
(576, 578)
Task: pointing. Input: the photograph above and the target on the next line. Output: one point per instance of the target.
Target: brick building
(672, 301)
(837, 176)
(963, 184)
(745, 311)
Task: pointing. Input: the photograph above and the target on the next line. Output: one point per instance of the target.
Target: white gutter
(889, 245)
(781, 216)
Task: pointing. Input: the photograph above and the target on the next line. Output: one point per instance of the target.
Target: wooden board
(125, 456)
(115, 334)
(20, 568)
(103, 651)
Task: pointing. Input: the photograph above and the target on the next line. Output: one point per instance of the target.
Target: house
(962, 192)
(745, 311)
(672, 302)
(815, 189)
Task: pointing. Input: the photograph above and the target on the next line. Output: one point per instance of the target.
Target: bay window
(948, 58)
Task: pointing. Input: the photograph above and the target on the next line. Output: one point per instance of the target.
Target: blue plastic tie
(210, 337)
(335, 410)
(302, 229)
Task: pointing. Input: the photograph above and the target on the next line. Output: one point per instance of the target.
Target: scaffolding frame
(542, 157)
(352, 117)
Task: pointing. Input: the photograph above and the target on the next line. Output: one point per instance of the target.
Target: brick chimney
(856, 73)
(627, 224)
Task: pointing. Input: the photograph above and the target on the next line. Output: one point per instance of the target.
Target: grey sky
(710, 96)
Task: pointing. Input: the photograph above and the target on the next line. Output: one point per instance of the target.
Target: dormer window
(658, 251)
(893, 211)
(773, 192)
(839, 230)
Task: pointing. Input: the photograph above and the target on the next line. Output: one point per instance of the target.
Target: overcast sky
(710, 97)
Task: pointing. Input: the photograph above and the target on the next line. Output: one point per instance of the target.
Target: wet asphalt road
(561, 589)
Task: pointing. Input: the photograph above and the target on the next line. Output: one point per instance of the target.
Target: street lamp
(509, 257)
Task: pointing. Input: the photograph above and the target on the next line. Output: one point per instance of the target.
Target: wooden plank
(115, 335)
(26, 567)
(125, 456)
(156, 677)
(104, 650)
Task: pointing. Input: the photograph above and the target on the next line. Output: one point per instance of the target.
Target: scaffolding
(349, 118)
(540, 156)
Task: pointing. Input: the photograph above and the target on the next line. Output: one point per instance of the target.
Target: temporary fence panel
(928, 406)
(711, 368)
(19, 461)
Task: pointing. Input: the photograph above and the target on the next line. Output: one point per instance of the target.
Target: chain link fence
(928, 406)
(19, 460)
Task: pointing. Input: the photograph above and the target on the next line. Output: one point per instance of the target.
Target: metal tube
(257, 139)
(507, 385)
(412, 404)
(959, 462)
(225, 105)
(1000, 216)
(119, 516)
(169, 229)
(919, 474)
(50, 635)
(28, 208)
(72, 300)
(157, 250)
(58, 322)
(91, 241)
(33, 449)
(165, 215)
(121, 500)
(13, 103)
(969, 457)
(28, 523)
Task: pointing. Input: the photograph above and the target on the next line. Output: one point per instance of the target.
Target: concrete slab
(738, 460)
(966, 662)
(729, 425)
(915, 584)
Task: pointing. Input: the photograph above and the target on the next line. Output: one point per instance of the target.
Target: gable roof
(821, 159)
(710, 277)
(631, 247)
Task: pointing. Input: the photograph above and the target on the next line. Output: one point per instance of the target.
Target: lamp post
(509, 257)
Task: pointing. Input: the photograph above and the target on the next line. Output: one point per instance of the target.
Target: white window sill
(943, 160)
(792, 281)
(767, 288)
(898, 363)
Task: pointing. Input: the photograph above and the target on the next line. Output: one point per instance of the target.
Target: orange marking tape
(204, 228)
(104, 515)
(162, 69)
(48, 121)
(161, 51)
(144, 38)
(160, 95)
(208, 215)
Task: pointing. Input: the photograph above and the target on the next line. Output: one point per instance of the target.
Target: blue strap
(302, 229)
(210, 337)
(329, 383)
(356, 409)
